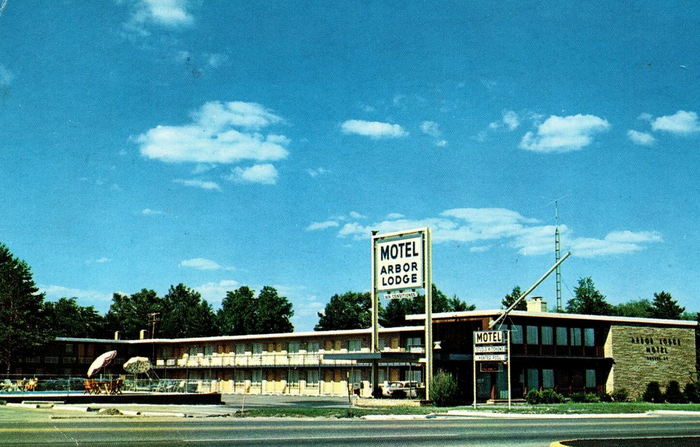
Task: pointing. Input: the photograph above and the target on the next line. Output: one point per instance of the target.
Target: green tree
(69, 319)
(23, 324)
(186, 314)
(394, 314)
(512, 297)
(129, 314)
(634, 308)
(273, 312)
(664, 306)
(588, 300)
(237, 313)
(351, 310)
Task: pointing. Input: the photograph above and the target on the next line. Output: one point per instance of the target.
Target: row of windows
(549, 335)
(354, 345)
(547, 378)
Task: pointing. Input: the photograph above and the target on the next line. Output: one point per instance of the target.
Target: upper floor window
(589, 336)
(576, 336)
(516, 334)
(294, 347)
(562, 336)
(413, 342)
(257, 348)
(312, 346)
(240, 348)
(354, 345)
(547, 335)
(533, 337)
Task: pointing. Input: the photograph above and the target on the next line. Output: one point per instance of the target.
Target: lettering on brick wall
(656, 348)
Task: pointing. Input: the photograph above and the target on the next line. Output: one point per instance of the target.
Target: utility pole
(152, 319)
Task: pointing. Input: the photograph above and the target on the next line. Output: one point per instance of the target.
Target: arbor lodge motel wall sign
(656, 348)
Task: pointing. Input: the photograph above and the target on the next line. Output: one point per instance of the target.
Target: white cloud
(208, 185)
(170, 13)
(395, 216)
(509, 119)
(85, 296)
(641, 138)
(356, 215)
(151, 212)
(216, 60)
(102, 260)
(264, 173)
(430, 128)
(219, 133)
(322, 225)
(215, 292)
(681, 123)
(203, 264)
(317, 171)
(564, 134)
(526, 235)
(373, 129)
(6, 76)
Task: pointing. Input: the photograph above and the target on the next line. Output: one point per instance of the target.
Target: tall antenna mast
(557, 255)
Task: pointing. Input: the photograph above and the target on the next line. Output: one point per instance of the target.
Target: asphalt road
(21, 427)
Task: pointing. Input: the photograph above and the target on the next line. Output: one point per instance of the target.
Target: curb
(396, 417)
(479, 414)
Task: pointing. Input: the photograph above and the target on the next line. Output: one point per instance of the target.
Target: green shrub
(673, 393)
(620, 395)
(653, 393)
(549, 396)
(604, 397)
(691, 393)
(533, 397)
(584, 397)
(443, 391)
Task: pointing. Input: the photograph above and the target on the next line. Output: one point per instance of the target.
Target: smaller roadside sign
(400, 295)
(489, 348)
(490, 357)
(489, 337)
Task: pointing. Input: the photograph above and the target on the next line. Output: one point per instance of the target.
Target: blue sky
(219, 144)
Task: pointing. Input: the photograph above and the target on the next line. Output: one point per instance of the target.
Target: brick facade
(644, 354)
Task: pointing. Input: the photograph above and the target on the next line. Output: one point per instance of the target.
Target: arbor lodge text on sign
(400, 264)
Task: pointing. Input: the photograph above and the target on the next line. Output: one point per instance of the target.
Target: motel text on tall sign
(400, 263)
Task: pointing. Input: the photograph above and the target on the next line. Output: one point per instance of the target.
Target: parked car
(400, 389)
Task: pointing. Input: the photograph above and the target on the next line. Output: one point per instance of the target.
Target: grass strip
(565, 408)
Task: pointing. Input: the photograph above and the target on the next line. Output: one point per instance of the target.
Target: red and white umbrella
(100, 362)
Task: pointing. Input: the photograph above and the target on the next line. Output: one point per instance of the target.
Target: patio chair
(31, 384)
(91, 386)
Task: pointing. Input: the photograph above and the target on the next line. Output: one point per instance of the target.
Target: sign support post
(375, 318)
(401, 262)
(427, 250)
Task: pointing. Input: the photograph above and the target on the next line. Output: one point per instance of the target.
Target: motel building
(566, 352)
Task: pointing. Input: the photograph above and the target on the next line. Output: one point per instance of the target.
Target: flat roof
(554, 315)
(221, 338)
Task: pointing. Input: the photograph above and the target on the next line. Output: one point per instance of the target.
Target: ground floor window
(533, 378)
(547, 378)
(414, 375)
(590, 378)
(312, 377)
(256, 376)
